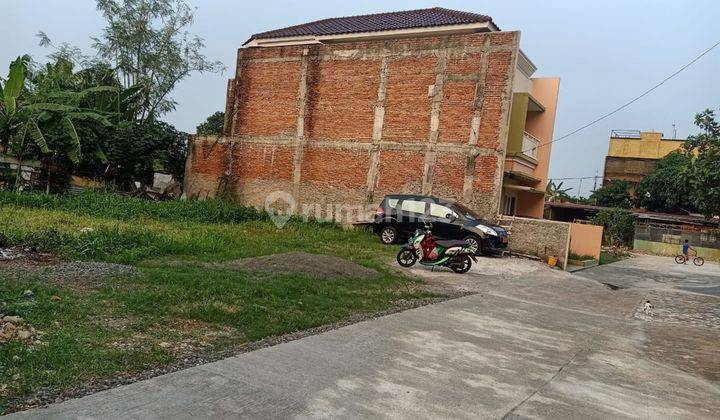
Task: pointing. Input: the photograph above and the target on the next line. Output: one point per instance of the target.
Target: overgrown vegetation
(98, 115)
(187, 299)
(113, 206)
(618, 224)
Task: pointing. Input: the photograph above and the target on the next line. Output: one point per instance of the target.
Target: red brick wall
(499, 65)
(337, 155)
(267, 103)
(399, 169)
(341, 104)
(407, 108)
(263, 162)
(207, 158)
(457, 110)
(336, 168)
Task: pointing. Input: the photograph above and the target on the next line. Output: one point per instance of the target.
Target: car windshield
(466, 212)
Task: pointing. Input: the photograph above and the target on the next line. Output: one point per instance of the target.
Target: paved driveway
(531, 343)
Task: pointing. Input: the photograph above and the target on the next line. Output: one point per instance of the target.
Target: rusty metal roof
(409, 19)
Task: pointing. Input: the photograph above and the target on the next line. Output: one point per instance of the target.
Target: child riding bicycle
(686, 248)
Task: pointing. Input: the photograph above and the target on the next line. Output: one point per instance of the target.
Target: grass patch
(609, 257)
(579, 257)
(175, 307)
(116, 207)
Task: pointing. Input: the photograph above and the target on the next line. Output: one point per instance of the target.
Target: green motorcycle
(423, 247)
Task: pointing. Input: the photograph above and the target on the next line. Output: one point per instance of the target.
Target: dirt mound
(313, 265)
(15, 328)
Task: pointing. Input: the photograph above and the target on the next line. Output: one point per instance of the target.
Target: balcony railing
(625, 134)
(530, 145)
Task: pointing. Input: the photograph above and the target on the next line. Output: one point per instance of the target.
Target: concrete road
(533, 343)
(659, 273)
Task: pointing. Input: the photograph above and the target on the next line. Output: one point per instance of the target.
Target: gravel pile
(79, 275)
(82, 270)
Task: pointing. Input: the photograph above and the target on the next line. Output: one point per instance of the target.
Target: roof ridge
(404, 19)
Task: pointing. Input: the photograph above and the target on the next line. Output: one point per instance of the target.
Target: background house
(632, 154)
(347, 110)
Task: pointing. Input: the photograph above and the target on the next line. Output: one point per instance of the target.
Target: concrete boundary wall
(538, 237)
(586, 239)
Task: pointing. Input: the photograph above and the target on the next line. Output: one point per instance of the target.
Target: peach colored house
(532, 122)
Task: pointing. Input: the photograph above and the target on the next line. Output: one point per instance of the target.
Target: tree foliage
(619, 226)
(687, 180)
(614, 193)
(666, 188)
(138, 149)
(213, 125)
(149, 44)
(704, 174)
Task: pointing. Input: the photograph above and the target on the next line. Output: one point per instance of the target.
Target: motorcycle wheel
(461, 264)
(406, 258)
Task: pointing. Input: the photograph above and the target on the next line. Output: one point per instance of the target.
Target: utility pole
(595, 180)
(580, 188)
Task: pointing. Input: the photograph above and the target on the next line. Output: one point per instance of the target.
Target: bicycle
(682, 259)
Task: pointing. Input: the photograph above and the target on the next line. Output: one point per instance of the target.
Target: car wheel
(475, 244)
(388, 235)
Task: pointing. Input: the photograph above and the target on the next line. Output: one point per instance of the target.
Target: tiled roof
(410, 19)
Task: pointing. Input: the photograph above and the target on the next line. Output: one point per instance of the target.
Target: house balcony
(530, 145)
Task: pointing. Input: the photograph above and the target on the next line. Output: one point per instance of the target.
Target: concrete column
(378, 123)
(475, 123)
(436, 104)
(505, 121)
(234, 97)
(300, 132)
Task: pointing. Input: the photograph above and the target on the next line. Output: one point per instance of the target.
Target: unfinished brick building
(346, 110)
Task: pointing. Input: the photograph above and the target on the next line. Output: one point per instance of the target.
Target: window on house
(509, 205)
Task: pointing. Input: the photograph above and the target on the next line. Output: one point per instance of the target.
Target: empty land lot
(119, 289)
(531, 343)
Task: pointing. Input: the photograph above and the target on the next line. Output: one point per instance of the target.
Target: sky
(605, 53)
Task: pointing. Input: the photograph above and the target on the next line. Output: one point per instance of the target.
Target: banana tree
(42, 121)
(554, 192)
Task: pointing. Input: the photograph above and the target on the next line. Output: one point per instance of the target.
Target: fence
(666, 239)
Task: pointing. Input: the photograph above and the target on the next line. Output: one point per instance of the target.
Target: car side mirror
(451, 217)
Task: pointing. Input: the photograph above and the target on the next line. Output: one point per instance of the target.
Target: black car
(399, 216)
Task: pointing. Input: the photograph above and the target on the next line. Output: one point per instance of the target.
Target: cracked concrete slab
(535, 344)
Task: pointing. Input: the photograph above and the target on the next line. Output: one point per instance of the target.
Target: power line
(576, 177)
(616, 110)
